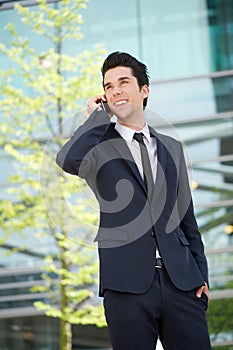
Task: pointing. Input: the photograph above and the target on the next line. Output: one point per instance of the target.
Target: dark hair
(139, 70)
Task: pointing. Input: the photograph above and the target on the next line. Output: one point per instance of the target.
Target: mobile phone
(104, 106)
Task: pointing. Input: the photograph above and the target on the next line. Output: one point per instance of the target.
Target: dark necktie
(147, 172)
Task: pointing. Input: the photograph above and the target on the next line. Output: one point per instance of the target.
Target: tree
(43, 98)
(220, 323)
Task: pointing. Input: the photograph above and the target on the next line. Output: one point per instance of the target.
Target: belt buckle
(159, 263)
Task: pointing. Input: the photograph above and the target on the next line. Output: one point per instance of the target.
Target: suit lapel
(161, 163)
(119, 145)
(117, 142)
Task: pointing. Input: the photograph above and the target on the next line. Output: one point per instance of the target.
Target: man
(153, 271)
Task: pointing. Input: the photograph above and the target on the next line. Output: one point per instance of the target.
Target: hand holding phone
(104, 106)
(98, 102)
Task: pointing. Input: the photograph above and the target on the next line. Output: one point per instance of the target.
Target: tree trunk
(65, 335)
(65, 325)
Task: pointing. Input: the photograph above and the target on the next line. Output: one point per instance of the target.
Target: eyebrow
(119, 79)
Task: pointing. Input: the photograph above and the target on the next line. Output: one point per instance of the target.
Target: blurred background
(188, 48)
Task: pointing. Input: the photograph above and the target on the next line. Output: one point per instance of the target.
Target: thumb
(199, 291)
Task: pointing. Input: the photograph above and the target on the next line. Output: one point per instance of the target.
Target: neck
(132, 126)
(135, 124)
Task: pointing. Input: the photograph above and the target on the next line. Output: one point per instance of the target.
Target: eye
(108, 87)
(124, 82)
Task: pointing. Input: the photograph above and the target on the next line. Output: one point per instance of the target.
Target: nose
(116, 91)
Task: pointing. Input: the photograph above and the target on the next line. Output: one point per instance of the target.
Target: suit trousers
(178, 318)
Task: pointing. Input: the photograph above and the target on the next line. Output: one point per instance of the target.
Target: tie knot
(138, 136)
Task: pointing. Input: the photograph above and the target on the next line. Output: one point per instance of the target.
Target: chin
(122, 116)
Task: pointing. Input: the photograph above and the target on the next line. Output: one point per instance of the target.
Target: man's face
(124, 97)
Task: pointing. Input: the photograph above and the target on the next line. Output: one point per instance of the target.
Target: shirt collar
(127, 133)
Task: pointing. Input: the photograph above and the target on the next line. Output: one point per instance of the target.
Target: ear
(145, 91)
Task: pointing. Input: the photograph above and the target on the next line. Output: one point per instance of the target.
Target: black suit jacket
(130, 225)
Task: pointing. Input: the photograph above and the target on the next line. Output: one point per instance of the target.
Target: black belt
(159, 263)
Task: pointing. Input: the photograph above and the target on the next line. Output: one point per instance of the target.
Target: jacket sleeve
(76, 156)
(188, 222)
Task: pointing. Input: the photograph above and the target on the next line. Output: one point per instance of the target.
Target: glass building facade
(188, 48)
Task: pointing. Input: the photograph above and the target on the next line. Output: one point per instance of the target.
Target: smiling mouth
(119, 103)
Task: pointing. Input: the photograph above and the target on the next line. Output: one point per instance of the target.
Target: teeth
(120, 103)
